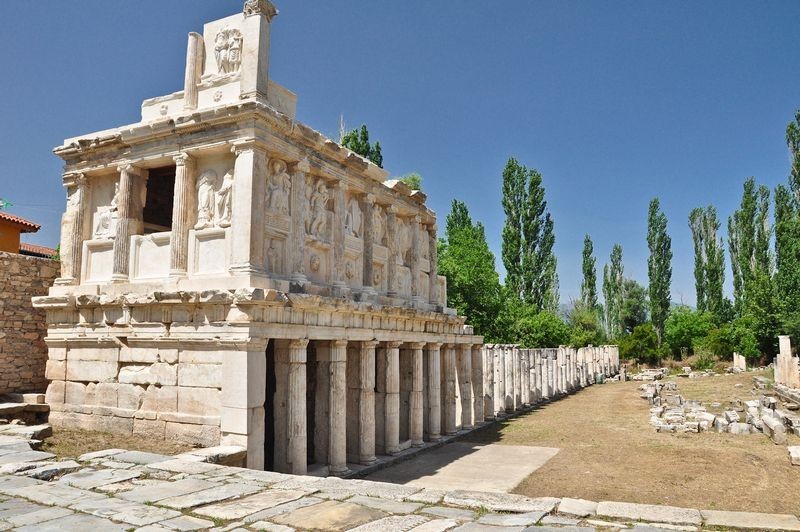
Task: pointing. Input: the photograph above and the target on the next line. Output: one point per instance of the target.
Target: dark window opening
(157, 215)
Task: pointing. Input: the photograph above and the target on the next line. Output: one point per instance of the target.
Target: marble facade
(229, 275)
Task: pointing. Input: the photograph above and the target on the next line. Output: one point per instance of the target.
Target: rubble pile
(650, 374)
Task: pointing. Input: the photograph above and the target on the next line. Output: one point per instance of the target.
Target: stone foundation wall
(153, 391)
(22, 328)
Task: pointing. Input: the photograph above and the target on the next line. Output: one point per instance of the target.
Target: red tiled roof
(26, 225)
(36, 251)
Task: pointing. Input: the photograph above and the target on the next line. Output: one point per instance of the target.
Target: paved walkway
(126, 490)
(490, 467)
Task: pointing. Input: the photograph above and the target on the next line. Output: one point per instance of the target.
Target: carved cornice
(260, 7)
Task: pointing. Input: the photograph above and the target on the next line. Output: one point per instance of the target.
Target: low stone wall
(23, 353)
(515, 377)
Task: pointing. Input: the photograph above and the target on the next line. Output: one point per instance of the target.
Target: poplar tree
(528, 238)
(589, 285)
(709, 260)
(787, 237)
(612, 292)
(659, 268)
(748, 242)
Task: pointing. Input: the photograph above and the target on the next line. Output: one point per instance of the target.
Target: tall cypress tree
(528, 238)
(748, 242)
(589, 284)
(612, 292)
(659, 267)
(696, 225)
(709, 259)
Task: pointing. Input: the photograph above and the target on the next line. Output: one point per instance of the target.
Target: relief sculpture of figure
(228, 50)
(107, 216)
(222, 215)
(206, 196)
(352, 220)
(279, 188)
(378, 225)
(318, 209)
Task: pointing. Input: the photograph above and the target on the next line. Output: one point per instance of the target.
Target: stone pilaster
(434, 392)
(433, 273)
(255, 48)
(73, 228)
(366, 404)
(132, 183)
(465, 384)
(391, 241)
(367, 204)
(194, 70)
(476, 352)
(338, 280)
(247, 218)
(243, 394)
(298, 207)
(415, 399)
(183, 214)
(337, 459)
(392, 408)
(415, 260)
(296, 408)
(450, 376)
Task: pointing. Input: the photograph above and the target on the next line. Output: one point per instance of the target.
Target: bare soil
(609, 451)
(73, 443)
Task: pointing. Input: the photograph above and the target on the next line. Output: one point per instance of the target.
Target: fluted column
(392, 408)
(415, 399)
(129, 222)
(298, 237)
(73, 228)
(183, 203)
(434, 392)
(415, 260)
(433, 272)
(477, 382)
(391, 241)
(366, 404)
(337, 433)
(450, 376)
(247, 211)
(296, 408)
(465, 382)
(367, 204)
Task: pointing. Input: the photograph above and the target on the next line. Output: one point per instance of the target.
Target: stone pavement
(128, 490)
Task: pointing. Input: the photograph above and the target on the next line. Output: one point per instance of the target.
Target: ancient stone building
(232, 276)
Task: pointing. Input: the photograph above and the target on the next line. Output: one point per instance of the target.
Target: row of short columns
(516, 378)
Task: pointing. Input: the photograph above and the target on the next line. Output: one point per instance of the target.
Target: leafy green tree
(528, 238)
(589, 284)
(719, 341)
(685, 328)
(709, 260)
(473, 285)
(357, 141)
(534, 329)
(641, 344)
(748, 241)
(659, 267)
(585, 326)
(787, 238)
(413, 180)
(612, 292)
(634, 305)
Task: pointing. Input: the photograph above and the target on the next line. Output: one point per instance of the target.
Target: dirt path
(610, 452)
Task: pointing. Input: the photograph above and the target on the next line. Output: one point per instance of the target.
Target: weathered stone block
(150, 429)
(195, 356)
(105, 394)
(199, 401)
(201, 375)
(91, 371)
(158, 373)
(160, 399)
(55, 393)
(55, 370)
(96, 354)
(204, 435)
(75, 393)
(130, 396)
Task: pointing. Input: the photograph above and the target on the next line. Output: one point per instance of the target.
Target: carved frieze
(316, 222)
(214, 197)
(353, 220)
(378, 225)
(228, 50)
(107, 217)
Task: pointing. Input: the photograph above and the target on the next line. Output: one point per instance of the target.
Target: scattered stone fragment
(794, 454)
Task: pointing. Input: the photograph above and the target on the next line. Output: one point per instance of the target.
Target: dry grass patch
(65, 443)
(609, 451)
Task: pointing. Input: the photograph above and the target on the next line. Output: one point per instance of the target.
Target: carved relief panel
(277, 217)
(228, 50)
(105, 199)
(214, 196)
(318, 215)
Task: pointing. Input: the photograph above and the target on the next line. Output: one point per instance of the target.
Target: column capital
(74, 179)
(245, 146)
(129, 168)
(416, 345)
(434, 345)
(182, 159)
(301, 166)
(433, 228)
(393, 344)
(417, 219)
(260, 7)
(369, 344)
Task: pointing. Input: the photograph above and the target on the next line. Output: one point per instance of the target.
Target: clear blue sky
(615, 103)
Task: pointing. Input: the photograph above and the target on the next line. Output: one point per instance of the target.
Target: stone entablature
(232, 276)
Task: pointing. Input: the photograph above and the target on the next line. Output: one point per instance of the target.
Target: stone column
(525, 378)
(337, 278)
(465, 382)
(477, 382)
(337, 459)
(450, 425)
(255, 29)
(433, 272)
(518, 382)
(367, 204)
(499, 379)
(434, 392)
(415, 260)
(415, 428)
(296, 408)
(391, 241)
(392, 409)
(298, 237)
(244, 380)
(366, 404)
(73, 228)
(247, 210)
(132, 182)
(194, 71)
(183, 214)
